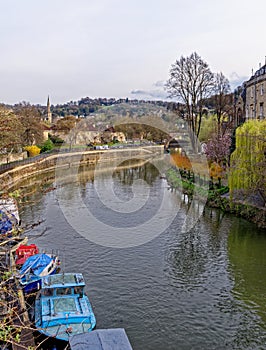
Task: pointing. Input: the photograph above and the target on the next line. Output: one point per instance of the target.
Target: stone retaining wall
(11, 177)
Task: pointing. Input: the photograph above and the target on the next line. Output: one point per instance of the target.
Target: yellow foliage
(32, 150)
(181, 161)
(216, 171)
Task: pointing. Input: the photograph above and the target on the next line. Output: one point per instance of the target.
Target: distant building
(82, 133)
(46, 131)
(251, 104)
(256, 95)
(240, 106)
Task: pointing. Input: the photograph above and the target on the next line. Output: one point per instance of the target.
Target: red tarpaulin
(25, 251)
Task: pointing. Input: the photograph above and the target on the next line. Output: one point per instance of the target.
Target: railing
(12, 165)
(193, 178)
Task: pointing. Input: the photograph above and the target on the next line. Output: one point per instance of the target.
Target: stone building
(251, 104)
(256, 95)
(85, 133)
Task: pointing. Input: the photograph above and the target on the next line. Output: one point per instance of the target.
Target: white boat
(36, 267)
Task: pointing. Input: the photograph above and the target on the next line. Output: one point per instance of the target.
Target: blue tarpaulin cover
(101, 339)
(9, 216)
(35, 264)
(5, 222)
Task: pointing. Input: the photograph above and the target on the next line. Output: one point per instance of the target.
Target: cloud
(236, 80)
(159, 83)
(150, 94)
(157, 92)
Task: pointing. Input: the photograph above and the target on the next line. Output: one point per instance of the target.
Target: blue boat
(62, 309)
(36, 267)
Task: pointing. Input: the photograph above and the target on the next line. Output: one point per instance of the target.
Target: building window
(253, 114)
(261, 89)
(251, 92)
(261, 110)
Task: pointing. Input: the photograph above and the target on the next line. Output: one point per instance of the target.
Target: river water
(203, 288)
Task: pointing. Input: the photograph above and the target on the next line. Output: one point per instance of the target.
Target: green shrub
(47, 146)
(56, 140)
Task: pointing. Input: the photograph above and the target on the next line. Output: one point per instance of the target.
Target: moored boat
(62, 309)
(9, 216)
(23, 252)
(36, 267)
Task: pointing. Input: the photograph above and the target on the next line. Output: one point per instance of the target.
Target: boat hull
(32, 282)
(65, 327)
(34, 286)
(62, 309)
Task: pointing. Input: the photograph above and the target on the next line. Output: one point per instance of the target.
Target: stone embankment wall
(219, 198)
(11, 177)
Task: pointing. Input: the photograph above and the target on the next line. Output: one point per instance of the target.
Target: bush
(181, 161)
(47, 146)
(55, 139)
(216, 171)
(32, 150)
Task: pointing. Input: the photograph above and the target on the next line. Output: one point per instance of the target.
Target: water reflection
(201, 289)
(192, 253)
(148, 172)
(247, 255)
(219, 269)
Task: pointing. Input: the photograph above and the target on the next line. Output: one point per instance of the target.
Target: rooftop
(261, 71)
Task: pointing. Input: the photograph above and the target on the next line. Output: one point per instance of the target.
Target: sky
(69, 49)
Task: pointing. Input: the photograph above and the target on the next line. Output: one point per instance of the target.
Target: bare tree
(30, 119)
(10, 130)
(66, 124)
(222, 98)
(191, 80)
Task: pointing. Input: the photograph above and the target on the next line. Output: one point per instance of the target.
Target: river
(200, 289)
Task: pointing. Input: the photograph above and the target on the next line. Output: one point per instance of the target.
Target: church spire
(49, 114)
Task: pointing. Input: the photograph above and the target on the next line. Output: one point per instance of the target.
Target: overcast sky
(121, 48)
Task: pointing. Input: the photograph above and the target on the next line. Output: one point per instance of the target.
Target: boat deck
(101, 339)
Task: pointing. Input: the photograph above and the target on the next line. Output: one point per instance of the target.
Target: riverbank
(218, 197)
(10, 178)
(16, 331)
